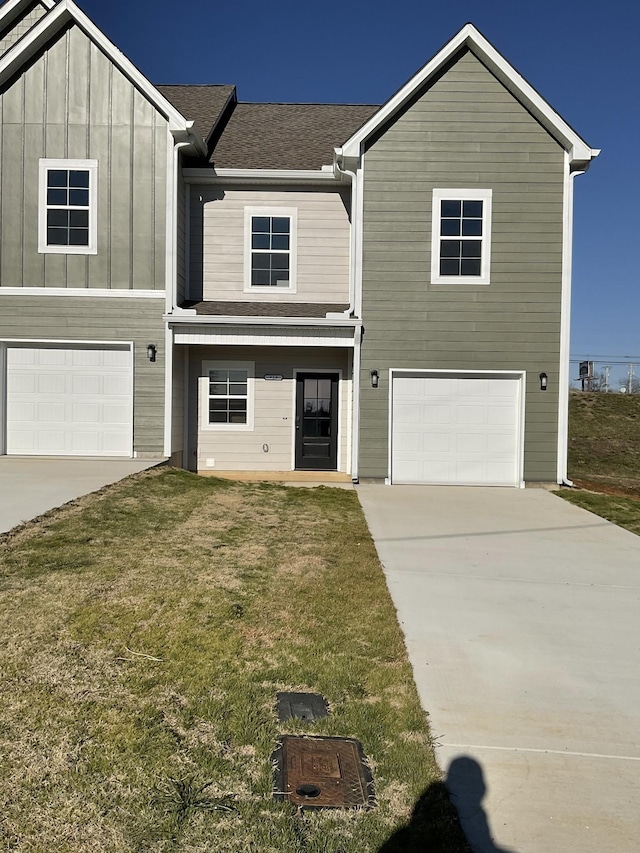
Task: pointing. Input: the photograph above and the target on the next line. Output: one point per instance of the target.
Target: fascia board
(65, 12)
(211, 320)
(470, 37)
(253, 176)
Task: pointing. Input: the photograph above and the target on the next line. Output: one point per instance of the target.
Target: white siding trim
(99, 292)
(168, 392)
(521, 375)
(280, 338)
(268, 176)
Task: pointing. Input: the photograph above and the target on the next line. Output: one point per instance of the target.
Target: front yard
(145, 633)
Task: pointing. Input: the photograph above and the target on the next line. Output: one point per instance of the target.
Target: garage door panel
(69, 401)
(456, 430)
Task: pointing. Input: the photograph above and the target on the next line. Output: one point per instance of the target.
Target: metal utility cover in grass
(322, 773)
(301, 706)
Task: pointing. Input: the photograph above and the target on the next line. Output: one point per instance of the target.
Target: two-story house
(356, 291)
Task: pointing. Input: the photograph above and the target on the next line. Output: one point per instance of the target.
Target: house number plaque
(273, 377)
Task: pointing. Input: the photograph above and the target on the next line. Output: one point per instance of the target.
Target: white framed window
(461, 236)
(226, 395)
(270, 249)
(67, 214)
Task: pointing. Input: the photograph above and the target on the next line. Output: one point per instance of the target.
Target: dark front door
(317, 421)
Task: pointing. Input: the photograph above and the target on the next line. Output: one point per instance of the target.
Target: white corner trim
(203, 396)
(168, 391)
(484, 195)
(290, 213)
(99, 292)
(90, 166)
(565, 320)
(469, 36)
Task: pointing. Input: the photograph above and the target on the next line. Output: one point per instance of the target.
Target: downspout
(351, 311)
(171, 279)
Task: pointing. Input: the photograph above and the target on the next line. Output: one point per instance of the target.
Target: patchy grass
(145, 632)
(621, 510)
(604, 441)
(604, 456)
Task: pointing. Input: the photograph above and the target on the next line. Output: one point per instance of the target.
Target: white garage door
(74, 401)
(456, 430)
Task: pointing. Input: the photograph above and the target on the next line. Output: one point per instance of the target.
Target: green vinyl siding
(464, 131)
(72, 103)
(67, 319)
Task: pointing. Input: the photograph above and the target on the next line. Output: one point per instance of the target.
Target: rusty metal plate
(301, 706)
(323, 772)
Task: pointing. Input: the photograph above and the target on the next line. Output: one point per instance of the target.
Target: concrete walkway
(522, 621)
(31, 485)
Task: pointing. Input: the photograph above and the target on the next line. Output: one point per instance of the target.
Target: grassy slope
(144, 635)
(604, 438)
(604, 456)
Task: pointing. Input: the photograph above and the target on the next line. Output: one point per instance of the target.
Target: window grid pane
(228, 396)
(67, 207)
(460, 218)
(270, 248)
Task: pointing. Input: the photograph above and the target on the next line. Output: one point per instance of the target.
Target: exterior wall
(274, 406)
(70, 318)
(72, 103)
(180, 360)
(182, 230)
(218, 242)
(18, 28)
(465, 131)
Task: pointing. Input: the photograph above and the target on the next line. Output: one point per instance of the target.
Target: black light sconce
(151, 352)
(374, 378)
(543, 381)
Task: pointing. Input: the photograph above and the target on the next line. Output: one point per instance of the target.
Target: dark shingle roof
(265, 309)
(286, 136)
(202, 104)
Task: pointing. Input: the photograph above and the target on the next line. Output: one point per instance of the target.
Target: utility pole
(606, 378)
(630, 382)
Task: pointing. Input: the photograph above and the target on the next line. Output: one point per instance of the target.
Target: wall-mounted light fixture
(151, 352)
(543, 381)
(374, 378)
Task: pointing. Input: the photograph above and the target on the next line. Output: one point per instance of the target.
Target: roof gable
(580, 153)
(61, 15)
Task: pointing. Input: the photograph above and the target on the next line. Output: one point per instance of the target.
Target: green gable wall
(465, 131)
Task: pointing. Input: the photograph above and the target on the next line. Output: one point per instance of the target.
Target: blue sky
(582, 57)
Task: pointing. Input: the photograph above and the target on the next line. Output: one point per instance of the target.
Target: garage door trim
(519, 375)
(9, 343)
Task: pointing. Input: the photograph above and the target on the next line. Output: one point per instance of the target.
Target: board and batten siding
(111, 320)
(217, 248)
(464, 131)
(274, 420)
(73, 103)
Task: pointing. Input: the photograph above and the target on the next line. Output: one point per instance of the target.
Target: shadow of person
(448, 816)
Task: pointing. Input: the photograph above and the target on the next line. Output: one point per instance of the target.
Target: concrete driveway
(32, 485)
(522, 621)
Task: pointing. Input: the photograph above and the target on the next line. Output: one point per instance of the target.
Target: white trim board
(99, 292)
(471, 38)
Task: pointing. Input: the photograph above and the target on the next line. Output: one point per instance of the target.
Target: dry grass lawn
(145, 632)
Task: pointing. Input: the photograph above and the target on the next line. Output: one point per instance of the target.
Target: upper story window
(67, 209)
(270, 249)
(461, 236)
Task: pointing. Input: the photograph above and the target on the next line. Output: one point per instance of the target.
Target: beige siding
(109, 320)
(465, 131)
(218, 244)
(17, 29)
(274, 421)
(72, 103)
